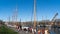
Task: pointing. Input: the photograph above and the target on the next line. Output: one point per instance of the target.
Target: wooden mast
(34, 14)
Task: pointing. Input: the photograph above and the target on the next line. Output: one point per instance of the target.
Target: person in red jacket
(43, 31)
(39, 31)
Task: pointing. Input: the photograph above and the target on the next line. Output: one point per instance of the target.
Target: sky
(45, 9)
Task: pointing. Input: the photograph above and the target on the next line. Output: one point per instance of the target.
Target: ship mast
(34, 14)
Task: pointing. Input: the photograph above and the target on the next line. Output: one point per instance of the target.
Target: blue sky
(45, 8)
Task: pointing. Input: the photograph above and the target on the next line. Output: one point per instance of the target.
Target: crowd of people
(43, 31)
